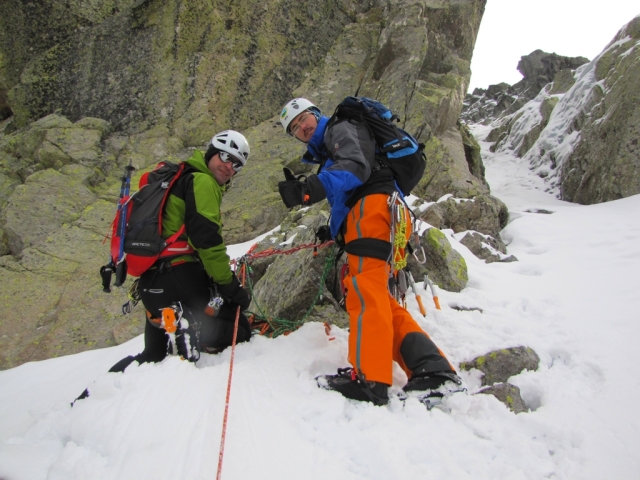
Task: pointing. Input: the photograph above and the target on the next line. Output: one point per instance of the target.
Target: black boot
(349, 385)
(422, 381)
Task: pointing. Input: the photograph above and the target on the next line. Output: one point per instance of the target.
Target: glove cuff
(314, 191)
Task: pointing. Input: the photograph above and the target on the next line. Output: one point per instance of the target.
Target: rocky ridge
(579, 133)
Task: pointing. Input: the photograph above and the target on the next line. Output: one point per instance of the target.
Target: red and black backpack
(139, 236)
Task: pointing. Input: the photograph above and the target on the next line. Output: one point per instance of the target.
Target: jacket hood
(316, 142)
(197, 161)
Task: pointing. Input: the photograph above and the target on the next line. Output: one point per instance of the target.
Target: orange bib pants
(378, 324)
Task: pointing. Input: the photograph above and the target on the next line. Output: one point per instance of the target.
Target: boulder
(486, 247)
(292, 283)
(483, 213)
(445, 267)
(507, 394)
(498, 366)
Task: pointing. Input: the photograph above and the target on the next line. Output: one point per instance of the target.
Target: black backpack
(396, 149)
(142, 228)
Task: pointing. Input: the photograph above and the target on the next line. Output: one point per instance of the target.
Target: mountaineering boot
(431, 387)
(427, 381)
(351, 386)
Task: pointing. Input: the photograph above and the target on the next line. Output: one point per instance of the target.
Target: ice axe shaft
(434, 291)
(412, 283)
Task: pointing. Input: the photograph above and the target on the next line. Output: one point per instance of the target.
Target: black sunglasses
(235, 163)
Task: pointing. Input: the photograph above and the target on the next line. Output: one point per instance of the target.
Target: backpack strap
(174, 247)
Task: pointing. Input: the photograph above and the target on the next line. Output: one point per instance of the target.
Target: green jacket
(195, 201)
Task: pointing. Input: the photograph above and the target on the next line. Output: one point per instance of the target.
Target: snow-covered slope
(573, 297)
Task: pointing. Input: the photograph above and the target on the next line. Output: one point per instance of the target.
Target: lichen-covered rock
(472, 153)
(448, 169)
(486, 247)
(562, 82)
(499, 365)
(445, 267)
(483, 213)
(54, 297)
(507, 394)
(4, 243)
(605, 164)
(291, 283)
(43, 204)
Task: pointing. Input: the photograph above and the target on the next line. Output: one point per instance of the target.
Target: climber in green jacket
(193, 279)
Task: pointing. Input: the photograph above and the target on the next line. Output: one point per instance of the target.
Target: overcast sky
(513, 28)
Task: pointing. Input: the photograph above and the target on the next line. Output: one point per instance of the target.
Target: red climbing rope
(275, 251)
(226, 404)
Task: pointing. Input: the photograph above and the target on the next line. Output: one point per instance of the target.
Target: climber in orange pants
(381, 331)
(367, 211)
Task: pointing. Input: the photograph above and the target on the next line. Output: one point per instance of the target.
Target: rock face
(580, 133)
(52, 231)
(507, 394)
(94, 85)
(605, 164)
(538, 69)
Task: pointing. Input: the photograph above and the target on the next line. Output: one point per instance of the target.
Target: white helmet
(294, 108)
(233, 143)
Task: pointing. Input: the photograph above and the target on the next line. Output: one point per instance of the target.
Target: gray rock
(483, 213)
(498, 366)
(487, 248)
(538, 69)
(507, 394)
(445, 267)
(291, 283)
(4, 243)
(605, 164)
(47, 201)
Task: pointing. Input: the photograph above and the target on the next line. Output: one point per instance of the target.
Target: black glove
(323, 234)
(314, 190)
(235, 293)
(291, 192)
(300, 190)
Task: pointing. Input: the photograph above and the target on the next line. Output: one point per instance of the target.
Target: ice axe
(434, 290)
(412, 283)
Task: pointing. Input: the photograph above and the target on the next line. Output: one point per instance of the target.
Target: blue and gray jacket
(348, 167)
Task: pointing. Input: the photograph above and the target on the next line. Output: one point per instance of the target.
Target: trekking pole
(121, 267)
(107, 270)
(226, 404)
